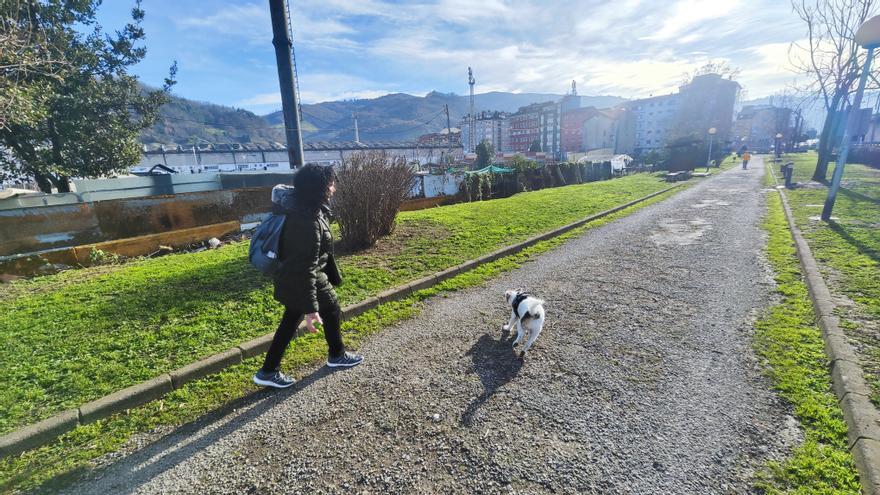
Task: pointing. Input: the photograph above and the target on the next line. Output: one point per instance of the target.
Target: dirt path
(643, 381)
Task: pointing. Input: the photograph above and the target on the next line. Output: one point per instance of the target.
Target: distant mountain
(393, 117)
(400, 116)
(181, 120)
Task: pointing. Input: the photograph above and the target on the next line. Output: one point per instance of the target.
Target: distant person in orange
(746, 157)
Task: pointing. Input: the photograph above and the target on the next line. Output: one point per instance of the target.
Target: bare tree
(720, 67)
(832, 58)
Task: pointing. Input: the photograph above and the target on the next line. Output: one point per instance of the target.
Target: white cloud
(630, 48)
(689, 14)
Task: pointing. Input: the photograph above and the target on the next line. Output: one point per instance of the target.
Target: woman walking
(305, 279)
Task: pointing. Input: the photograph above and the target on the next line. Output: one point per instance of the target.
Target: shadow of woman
(496, 363)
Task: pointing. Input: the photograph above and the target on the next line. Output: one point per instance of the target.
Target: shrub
(370, 188)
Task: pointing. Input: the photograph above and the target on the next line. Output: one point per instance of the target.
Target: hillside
(182, 119)
(393, 117)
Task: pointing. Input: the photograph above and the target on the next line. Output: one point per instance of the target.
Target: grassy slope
(789, 341)
(79, 335)
(847, 250)
(55, 464)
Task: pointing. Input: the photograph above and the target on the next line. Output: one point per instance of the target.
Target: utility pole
(472, 132)
(283, 44)
(357, 136)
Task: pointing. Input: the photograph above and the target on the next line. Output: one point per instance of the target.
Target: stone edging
(848, 382)
(37, 434)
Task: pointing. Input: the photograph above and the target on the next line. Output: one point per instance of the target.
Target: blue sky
(366, 48)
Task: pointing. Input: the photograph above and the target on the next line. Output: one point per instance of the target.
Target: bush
(865, 155)
(370, 188)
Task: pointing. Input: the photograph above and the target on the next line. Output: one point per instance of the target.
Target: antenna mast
(472, 132)
(357, 136)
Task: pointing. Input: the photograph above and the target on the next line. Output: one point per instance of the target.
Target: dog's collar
(522, 296)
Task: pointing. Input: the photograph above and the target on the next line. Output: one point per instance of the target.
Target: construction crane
(472, 132)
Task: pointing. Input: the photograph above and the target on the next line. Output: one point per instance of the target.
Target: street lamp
(712, 132)
(868, 36)
(778, 147)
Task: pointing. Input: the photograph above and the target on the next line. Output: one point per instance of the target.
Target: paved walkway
(643, 381)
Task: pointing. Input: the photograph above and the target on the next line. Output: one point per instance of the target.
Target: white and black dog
(528, 314)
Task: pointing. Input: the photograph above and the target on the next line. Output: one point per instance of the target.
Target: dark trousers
(330, 313)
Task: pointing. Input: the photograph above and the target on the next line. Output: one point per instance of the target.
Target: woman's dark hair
(312, 184)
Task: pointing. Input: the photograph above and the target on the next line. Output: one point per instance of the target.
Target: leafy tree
(520, 163)
(536, 145)
(686, 153)
(485, 153)
(84, 117)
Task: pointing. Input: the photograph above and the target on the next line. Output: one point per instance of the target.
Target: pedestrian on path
(307, 274)
(746, 157)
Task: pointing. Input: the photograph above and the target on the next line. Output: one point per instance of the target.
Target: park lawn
(847, 250)
(790, 343)
(81, 452)
(78, 335)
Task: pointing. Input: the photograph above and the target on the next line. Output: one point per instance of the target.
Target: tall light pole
(868, 36)
(289, 106)
(712, 132)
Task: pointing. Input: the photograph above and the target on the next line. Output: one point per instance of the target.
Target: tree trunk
(62, 183)
(44, 182)
(826, 146)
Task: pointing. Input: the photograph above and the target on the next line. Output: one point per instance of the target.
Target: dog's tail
(538, 311)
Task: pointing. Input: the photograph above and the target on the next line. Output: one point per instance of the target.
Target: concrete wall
(25, 230)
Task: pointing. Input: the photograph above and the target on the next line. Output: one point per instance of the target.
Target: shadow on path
(496, 363)
(149, 462)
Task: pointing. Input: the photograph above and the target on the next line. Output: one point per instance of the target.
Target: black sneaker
(346, 360)
(274, 379)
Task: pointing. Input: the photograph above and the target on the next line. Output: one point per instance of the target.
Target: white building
(654, 119)
(259, 158)
(493, 127)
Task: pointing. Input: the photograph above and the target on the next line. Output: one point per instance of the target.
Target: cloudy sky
(367, 48)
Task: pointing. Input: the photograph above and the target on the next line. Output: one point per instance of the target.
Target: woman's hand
(311, 319)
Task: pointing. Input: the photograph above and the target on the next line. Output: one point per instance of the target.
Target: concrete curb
(848, 382)
(32, 436)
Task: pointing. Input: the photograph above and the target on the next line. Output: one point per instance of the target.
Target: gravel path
(643, 381)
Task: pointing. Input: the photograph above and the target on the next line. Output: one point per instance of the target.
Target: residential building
(653, 119)
(441, 138)
(601, 130)
(537, 124)
(756, 127)
(571, 133)
(707, 101)
(493, 127)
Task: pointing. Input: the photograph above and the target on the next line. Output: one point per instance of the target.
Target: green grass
(78, 335)
(847, 250)
(789, 341)
(56, 464)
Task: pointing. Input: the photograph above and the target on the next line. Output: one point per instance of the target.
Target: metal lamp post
(778, 147)
(868, 36)
(712, 132)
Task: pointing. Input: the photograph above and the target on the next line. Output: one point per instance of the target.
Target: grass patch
(55, 465)
(787, 338)
(847, 250)
(78, 335)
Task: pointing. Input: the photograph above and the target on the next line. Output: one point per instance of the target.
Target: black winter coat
(307, 262)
